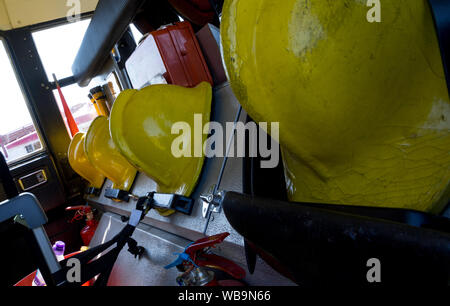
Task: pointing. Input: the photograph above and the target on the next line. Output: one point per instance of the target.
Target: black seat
(326, 244)
(15, 259)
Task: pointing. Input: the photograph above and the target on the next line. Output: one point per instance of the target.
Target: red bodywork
(88, 232)
(197, 252)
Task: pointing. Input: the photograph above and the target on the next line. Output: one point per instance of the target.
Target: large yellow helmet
(363, 107)
(80, 163)
(103, 154)
(141, 127)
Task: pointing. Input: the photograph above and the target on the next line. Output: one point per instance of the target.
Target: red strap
(70, 120)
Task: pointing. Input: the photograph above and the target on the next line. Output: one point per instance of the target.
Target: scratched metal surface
(160, 245)
(225, 107)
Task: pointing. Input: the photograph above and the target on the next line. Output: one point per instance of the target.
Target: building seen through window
(18, 135)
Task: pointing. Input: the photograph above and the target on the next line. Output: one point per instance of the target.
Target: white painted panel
(28, 12)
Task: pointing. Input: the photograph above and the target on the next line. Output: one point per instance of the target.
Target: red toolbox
(182, 55)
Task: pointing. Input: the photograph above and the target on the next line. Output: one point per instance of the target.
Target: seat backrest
(8, 188)
(15, 260)
(323, 245)
(110, 21)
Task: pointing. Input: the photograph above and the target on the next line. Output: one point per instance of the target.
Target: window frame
(45, 112)
(35, 85)
(43, 150)
(29, 96)
(70, 80)
(66, 81)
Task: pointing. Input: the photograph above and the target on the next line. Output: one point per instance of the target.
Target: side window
(18, 135)
(136, 34)
(57, 48)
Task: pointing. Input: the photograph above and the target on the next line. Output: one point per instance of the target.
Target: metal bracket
(175, 202)
(152, 200)
(212, 201)
(118, 195)
(92, 191)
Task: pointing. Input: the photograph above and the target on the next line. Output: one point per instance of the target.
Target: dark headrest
(110, 21)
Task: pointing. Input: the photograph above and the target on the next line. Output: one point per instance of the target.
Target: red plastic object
(182, 55)
(73, 127)
(199, 12)
(201, 259)
(28, 281)
(204, 243)
(88, 232)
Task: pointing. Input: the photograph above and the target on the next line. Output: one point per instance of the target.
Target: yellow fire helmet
(80, 163)
(142, 122)
(363, 106)
(104, 155)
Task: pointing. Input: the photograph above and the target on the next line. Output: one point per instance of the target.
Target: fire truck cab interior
(91, 82)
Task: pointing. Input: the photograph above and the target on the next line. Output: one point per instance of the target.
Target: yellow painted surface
(21, 13)
(80, 163)
(5, 23)
(363, 107)
(100, 104)
(141, 127)
(105, 157)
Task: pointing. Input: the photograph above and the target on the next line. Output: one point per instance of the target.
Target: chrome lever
(212, 201)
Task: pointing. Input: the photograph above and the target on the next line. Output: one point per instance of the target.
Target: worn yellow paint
(105, 157)
(21, 13)
(363, 107)
(141, 127)
(80, 163)
(5, 23)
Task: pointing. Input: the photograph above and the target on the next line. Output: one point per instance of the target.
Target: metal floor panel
(147, 271)
(160, 246)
